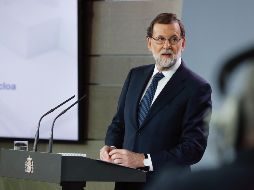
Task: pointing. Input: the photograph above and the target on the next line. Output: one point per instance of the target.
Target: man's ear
(149, 43)
(183, 44)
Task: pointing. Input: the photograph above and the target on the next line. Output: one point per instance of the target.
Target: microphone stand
(53, 124)
(37, 134)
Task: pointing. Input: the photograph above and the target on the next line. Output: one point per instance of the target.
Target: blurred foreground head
(236, 118)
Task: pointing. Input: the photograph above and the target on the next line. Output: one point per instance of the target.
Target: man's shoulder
(143, 67)
(194, 77)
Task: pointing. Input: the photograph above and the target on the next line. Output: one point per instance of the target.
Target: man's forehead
(166, 29)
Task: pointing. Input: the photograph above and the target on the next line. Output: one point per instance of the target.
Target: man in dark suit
(163, 110)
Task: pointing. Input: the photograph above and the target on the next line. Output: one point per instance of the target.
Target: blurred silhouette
(238, 133)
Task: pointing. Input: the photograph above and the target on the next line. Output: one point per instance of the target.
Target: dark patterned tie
(147, 99)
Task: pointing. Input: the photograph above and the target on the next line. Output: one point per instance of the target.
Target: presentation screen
(38, 68)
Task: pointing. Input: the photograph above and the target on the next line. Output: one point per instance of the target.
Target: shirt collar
(171, 71)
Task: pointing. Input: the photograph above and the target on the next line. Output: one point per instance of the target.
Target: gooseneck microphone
(53, 124)
(37, 134)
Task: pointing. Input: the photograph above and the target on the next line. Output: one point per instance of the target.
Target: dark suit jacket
(176, 127)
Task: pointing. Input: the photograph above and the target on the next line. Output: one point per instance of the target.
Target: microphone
(36, 138)
(53, 124)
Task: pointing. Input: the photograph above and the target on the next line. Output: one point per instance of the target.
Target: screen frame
(84, 27)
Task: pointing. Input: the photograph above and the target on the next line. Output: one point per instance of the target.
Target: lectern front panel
(30, 165)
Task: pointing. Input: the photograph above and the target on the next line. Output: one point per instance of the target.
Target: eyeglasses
(173, 40)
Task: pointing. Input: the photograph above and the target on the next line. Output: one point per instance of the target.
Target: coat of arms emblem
(29, 165)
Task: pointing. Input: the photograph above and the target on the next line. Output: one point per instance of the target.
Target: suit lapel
(174, 86)
(140, 81)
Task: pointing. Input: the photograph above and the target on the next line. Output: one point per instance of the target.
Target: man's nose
(167, 44)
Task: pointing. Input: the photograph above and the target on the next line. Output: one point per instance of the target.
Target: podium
(71, 172)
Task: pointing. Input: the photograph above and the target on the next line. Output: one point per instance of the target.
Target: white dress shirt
(161, 84)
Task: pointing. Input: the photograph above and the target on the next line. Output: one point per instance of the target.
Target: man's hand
(127, 158)
(104, 153)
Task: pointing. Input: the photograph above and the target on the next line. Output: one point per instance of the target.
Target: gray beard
(165, 63)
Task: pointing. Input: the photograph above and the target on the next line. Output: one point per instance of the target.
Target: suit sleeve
(193, 138)
(115, 132)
